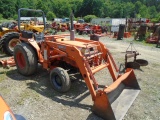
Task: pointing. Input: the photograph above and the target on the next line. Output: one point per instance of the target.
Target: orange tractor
(82, 28)
(58, 54)
(5, 111)
(155, 36)
(60, 26)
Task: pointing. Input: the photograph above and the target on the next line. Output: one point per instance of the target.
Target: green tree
(143, 11)
(138, 4)
(1, 16)
(128, 10)
(76, 6)
(92, 7)
(42, 6)
(61, 8)
(108, 9)
(50, 15)
(154, 20)
(152, 11)
(86, 8)
(88, 18)
(158, 16)
(21, 4)
(15, 17)
(7, 8)
(99, 8)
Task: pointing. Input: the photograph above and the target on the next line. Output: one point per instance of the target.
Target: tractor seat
(39, 37)
(27, 34)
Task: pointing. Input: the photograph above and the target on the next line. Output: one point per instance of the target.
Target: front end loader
(59, 55)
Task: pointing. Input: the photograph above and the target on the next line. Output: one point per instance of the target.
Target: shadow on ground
(40, 83)
(3, 55)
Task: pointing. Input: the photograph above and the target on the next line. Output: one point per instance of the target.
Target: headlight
(8, 116)
(89, 51)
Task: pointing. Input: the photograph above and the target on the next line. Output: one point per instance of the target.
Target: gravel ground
(32, 98)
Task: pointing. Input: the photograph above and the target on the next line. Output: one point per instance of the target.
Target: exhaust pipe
(72, 34)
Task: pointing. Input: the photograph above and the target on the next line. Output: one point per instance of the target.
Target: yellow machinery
(10, 37)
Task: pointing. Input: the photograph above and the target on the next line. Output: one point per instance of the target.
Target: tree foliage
(7, 8)
(81, 8)
(50, 15)
(88, 18)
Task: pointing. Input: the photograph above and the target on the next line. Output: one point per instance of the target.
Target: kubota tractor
(54, 52)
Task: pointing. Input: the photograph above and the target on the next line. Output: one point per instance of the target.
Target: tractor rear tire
(26, 59)
(9, 41)
(60, 80)
(80, 32)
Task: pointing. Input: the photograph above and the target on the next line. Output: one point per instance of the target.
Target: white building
(40, 19)
(113, 22)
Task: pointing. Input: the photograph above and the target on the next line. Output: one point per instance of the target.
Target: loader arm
(91, 57)
(105, 98)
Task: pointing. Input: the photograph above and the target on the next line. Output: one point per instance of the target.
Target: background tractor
(61, 55)
(10, 37)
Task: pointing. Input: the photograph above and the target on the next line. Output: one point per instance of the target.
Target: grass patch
(155, 65)
(5, 20)
(23, 97)
(26, 95)
(3, 75)
(4, 90)
(35, 96)
(5, 72)
(143, 42)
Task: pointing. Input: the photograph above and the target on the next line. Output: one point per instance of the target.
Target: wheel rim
(57, 81)
(20, 60)
(12, 43)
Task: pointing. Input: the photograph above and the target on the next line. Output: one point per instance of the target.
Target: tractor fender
(37, 49)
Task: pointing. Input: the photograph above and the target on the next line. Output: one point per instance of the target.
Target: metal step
(121, 99)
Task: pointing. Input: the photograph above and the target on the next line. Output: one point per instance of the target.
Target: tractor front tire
(26, 59)
(9, 41)
(60, 80)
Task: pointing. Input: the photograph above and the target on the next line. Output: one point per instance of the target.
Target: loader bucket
(114, 101)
